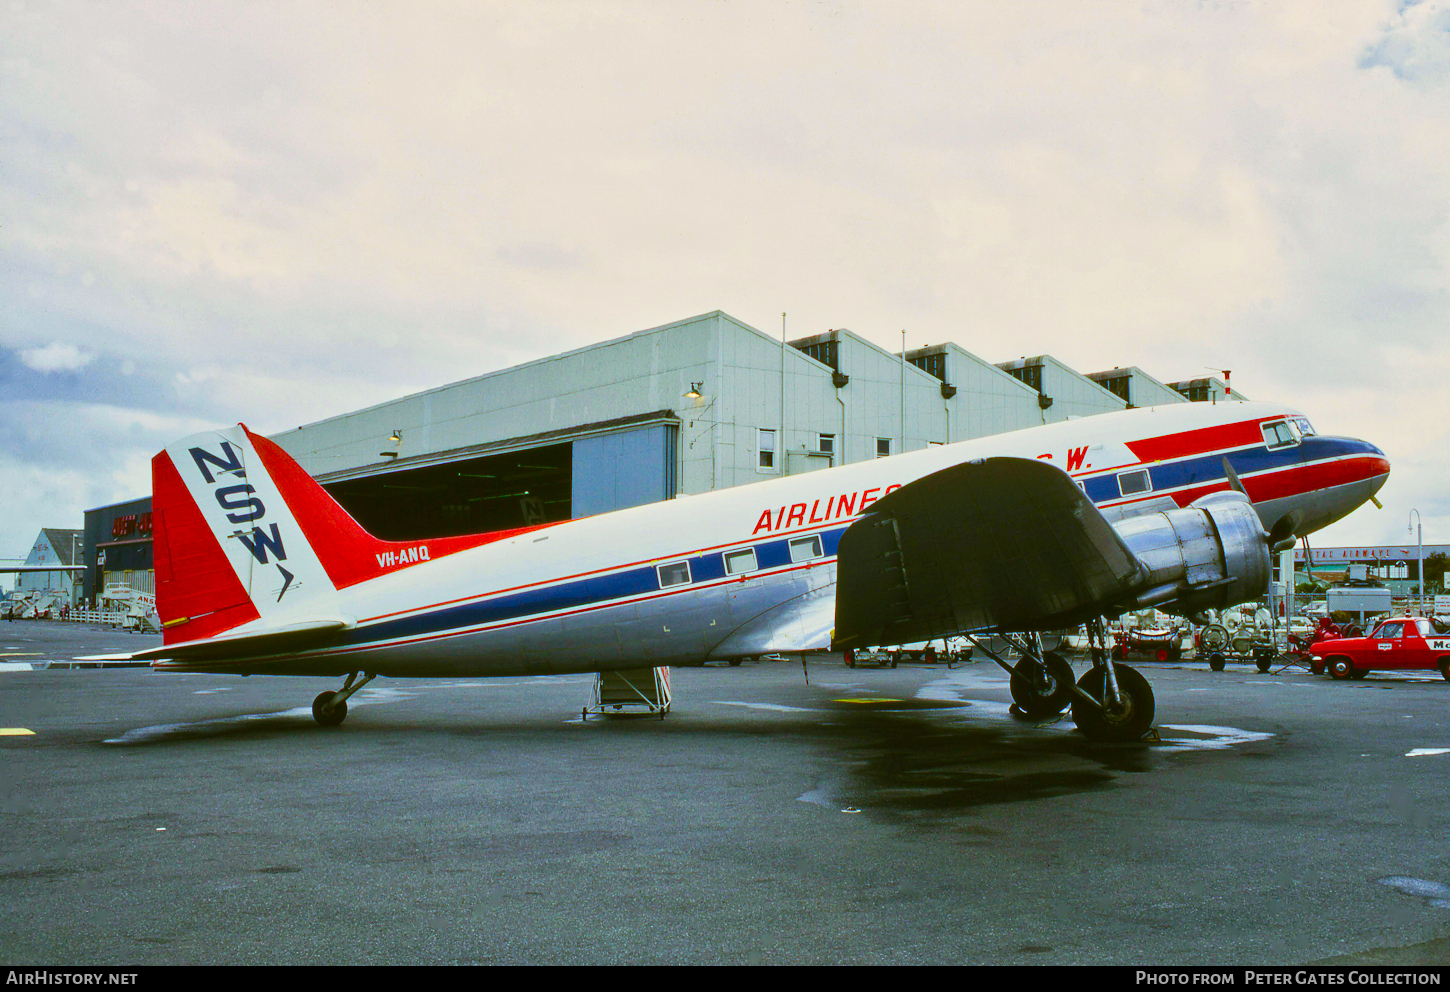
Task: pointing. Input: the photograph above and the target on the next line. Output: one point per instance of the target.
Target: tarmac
(869, 817)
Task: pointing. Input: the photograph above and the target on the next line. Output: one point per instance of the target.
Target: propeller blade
(1233, 477)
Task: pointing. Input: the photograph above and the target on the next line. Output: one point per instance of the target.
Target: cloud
(56, 357)
(281, 213)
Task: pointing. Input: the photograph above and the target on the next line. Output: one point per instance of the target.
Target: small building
(117, 548)
(53, 546)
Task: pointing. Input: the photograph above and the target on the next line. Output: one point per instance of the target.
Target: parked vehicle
(1397, 644)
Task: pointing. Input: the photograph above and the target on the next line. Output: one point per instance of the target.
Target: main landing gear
(1111, 702)
(330, 708)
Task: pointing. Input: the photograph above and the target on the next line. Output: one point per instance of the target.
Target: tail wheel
(1131, 721)
(1339, 668)
(1215, 661)
(1045, 700)
(328, 715)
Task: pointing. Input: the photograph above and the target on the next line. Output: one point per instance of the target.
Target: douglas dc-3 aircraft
(260, 572)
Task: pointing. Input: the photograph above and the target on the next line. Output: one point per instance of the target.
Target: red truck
(1397, 644)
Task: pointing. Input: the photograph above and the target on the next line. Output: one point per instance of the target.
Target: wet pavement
(872, 816)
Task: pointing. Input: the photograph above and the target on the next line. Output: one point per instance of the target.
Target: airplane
(260, 572)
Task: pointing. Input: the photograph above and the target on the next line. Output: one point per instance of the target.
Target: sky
(278, 212)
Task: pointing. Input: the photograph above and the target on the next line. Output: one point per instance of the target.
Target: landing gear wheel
(1037, 701)
(1130, 722)
(328, 717)
(1340, 668)
(1215, 661)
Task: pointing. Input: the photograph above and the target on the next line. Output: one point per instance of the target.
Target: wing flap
(999, 543)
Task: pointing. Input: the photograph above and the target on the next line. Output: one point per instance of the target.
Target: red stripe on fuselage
(1201, 441)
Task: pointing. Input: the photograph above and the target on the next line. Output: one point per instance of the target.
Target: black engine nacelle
(1209, 555)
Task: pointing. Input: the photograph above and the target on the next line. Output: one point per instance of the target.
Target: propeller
(1281, 535)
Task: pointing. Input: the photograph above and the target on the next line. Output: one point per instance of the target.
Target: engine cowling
(1211, 554)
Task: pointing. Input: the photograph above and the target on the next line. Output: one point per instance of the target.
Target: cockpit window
(1280, 434)
(1305, 427)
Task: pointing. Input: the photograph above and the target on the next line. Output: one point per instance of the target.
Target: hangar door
(627, 468)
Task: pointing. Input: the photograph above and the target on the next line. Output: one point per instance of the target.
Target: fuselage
(675, 582)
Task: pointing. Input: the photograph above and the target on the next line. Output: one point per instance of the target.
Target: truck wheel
(1445, 668)
(1359, 673)
(1340, 668)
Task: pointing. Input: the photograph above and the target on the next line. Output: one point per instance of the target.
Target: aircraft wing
(1008, 543)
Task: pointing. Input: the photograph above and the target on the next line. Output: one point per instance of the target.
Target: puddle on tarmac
(1435, 894)
(944, 753)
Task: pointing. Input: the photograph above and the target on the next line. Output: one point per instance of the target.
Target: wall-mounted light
(694, 391)
(396, 438)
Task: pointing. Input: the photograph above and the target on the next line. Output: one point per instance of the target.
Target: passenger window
(676, 573)
(1426, 629)
(806, 548)
(1130, 483)
(740, 561)
(1279, 434)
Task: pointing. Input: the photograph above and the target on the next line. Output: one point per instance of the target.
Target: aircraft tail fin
(242, 533)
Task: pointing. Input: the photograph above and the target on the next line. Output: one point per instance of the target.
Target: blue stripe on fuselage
(591, 591)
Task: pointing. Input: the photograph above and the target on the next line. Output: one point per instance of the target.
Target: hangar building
(692, 406)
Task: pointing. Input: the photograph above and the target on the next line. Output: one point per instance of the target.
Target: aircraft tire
(1130, 725)
(1216, 662)
(325, 717)
(1059, 694)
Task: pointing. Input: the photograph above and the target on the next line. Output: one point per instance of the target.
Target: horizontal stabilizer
(1000, 543)
(289, 637)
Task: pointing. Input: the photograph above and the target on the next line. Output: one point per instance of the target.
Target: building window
(806, 548)
(766, 444)
(827, 444)
(737, 562)
(883, 447)
(1131, 483)
(676, 573)
(1029, 375)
